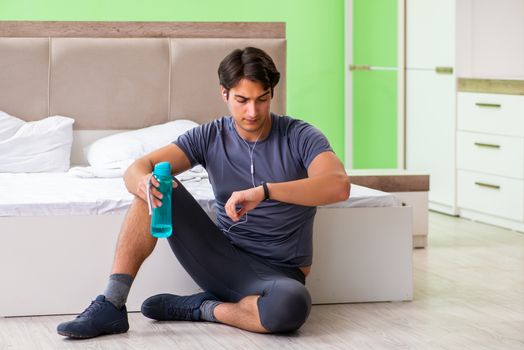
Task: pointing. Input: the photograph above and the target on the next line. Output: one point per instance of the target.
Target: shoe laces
(91, 309)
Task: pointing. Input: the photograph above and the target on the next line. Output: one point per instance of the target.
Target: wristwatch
(266, 191)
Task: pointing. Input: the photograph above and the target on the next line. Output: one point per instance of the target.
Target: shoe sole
(80, 336)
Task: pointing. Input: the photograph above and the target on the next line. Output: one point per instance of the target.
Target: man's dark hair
(250, 63)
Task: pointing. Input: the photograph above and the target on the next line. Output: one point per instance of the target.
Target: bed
(58, 230)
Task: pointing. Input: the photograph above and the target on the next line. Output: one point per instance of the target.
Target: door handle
(353, 67)
(444, 70)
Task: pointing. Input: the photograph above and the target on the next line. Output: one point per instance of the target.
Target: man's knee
(285, 307)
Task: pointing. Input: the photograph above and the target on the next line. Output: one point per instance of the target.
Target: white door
(430, 97)
(430, 34)
(430, 133)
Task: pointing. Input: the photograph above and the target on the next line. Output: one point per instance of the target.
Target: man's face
(249, 105)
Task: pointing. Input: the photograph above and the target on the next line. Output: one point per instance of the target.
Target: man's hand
(137, 174)
(246, 200)
(156, 195)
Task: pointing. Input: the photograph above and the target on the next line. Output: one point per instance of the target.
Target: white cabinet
(430, 97)
(472, 145)
(490, 158)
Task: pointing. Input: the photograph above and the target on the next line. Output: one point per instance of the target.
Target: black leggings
(230, 273)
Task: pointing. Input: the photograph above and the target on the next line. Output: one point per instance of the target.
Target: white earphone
(252, 170)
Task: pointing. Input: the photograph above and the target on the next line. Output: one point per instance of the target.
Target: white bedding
(39, 194)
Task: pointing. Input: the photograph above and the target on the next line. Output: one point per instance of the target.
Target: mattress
(41, 194)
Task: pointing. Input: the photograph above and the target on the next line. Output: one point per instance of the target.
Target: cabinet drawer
(492, 154)
(493, 195)
(491, 113)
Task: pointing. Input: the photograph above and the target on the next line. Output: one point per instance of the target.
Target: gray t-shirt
(279, 232)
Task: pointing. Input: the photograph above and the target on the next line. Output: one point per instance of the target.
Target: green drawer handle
(482, 184)
(489, 145)
(488, 105)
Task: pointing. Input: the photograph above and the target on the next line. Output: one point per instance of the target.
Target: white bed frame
(56, 265)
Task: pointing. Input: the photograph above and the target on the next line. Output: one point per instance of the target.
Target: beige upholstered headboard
(112, 76)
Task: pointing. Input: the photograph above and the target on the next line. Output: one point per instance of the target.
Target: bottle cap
(162, 169)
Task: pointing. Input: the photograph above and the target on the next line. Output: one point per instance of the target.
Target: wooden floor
(469, 294)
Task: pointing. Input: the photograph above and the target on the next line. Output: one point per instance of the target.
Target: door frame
(348, 103)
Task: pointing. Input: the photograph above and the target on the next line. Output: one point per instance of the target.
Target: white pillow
(39, 146)
(9, 125)
(120, 150)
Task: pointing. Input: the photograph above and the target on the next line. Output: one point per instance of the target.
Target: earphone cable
(251, 151)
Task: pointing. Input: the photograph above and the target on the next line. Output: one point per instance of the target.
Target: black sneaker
(169, 307)
(101, 317)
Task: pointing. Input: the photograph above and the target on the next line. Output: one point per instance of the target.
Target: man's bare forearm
(312, 191)
(135, 172)
(144, 166)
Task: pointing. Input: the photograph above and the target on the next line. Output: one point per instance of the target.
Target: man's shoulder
(287, 121)
(287, 124)
(216, 125)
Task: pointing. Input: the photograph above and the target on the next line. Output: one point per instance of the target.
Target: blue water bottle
(161, 224)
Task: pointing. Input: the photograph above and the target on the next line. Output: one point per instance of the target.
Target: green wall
(315, 46)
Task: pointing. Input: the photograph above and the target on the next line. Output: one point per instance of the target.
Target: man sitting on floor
(268, 174)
